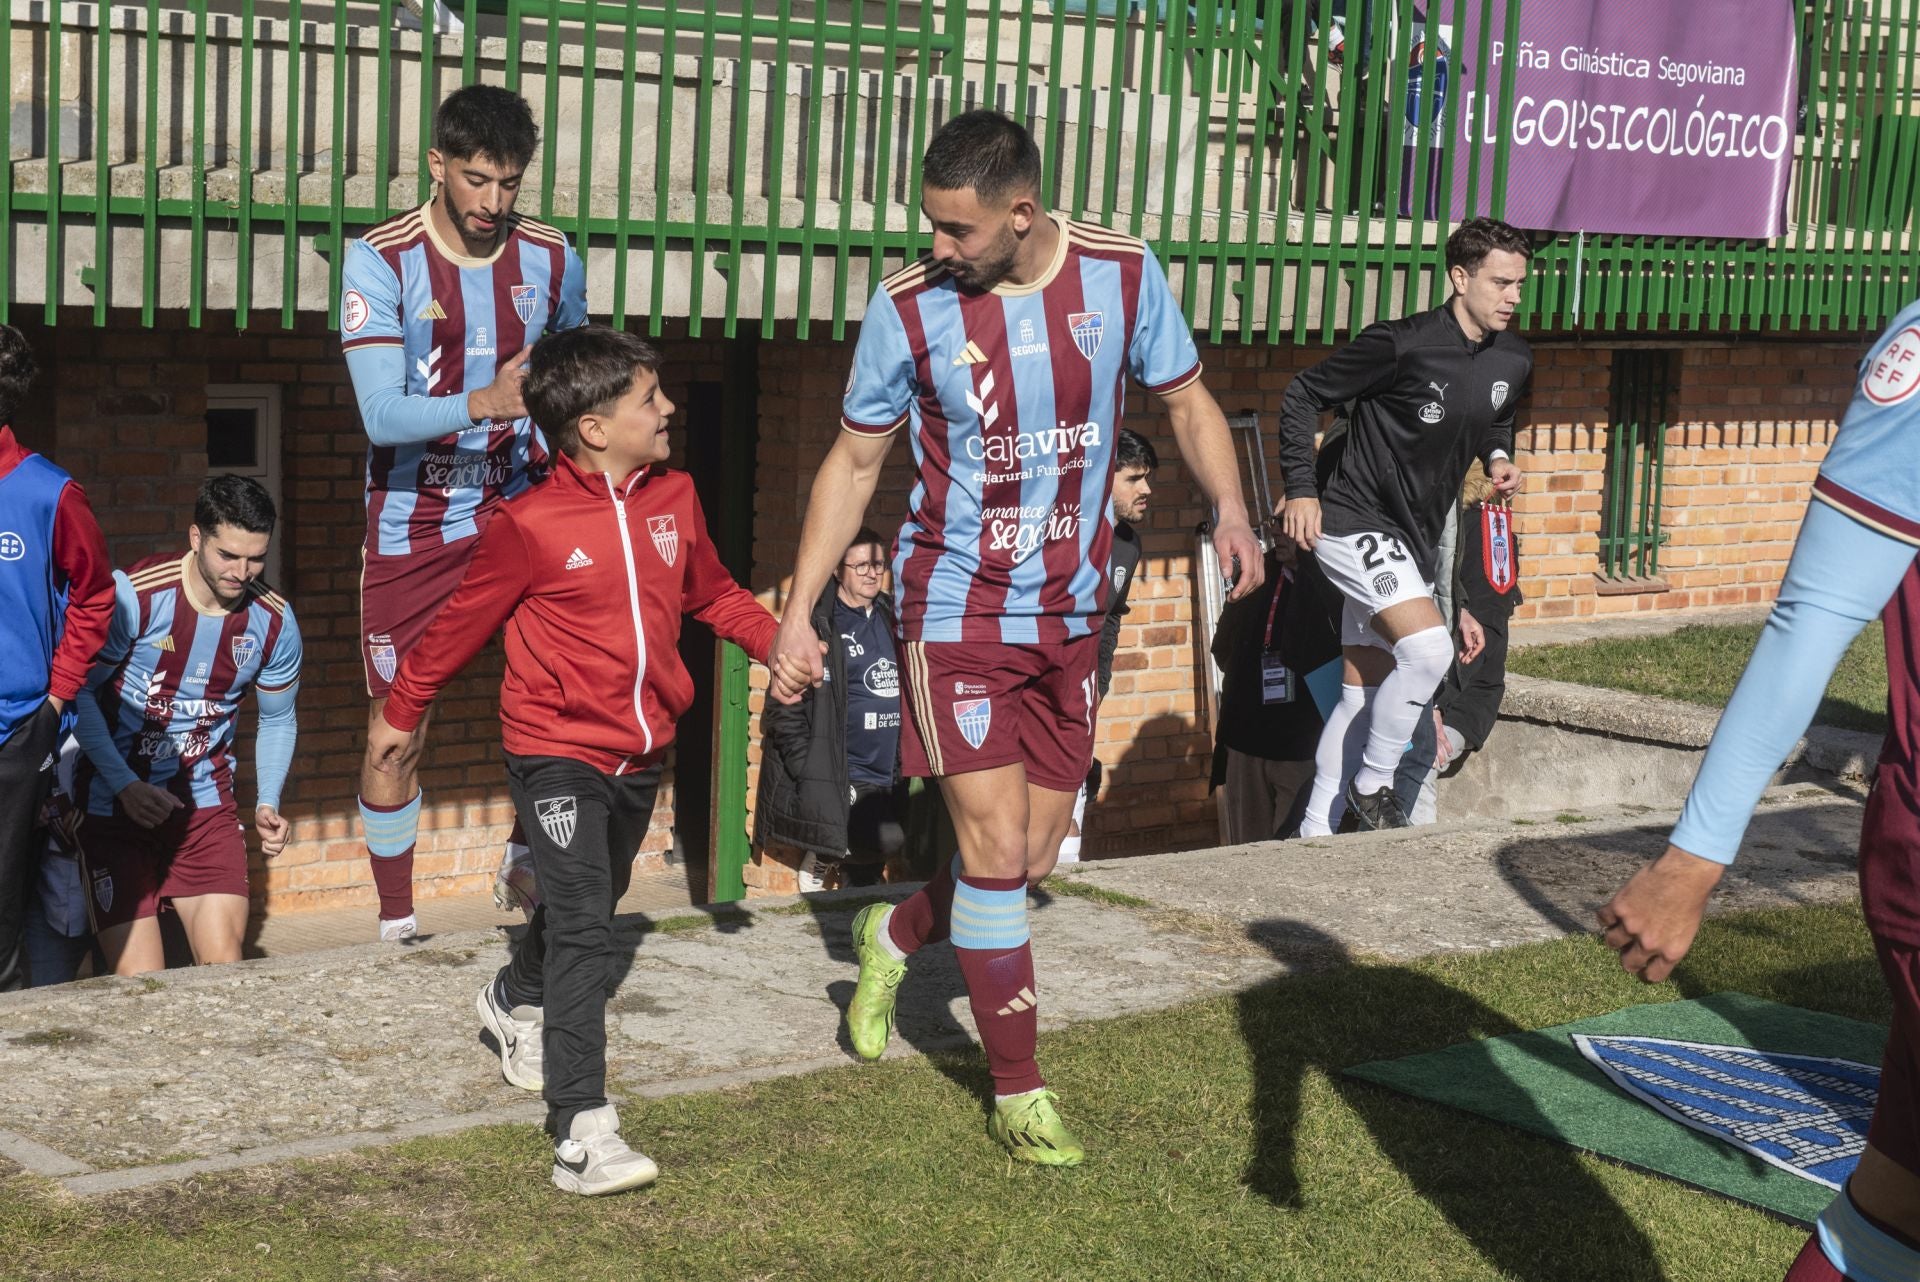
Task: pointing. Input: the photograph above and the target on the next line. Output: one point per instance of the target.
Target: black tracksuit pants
(584, 828)
(26, 776)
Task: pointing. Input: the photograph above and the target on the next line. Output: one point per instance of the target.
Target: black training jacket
(1122, 563)
(1422, 403)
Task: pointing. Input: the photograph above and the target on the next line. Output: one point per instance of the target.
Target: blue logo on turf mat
(1802, 1113)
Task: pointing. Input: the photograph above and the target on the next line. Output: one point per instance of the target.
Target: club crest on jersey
(1386, 583)
(558, 816)
(1087, 328)
(525, 298)
(1432, 412)
(1806, 1114)
(1119, 578)
(973, 716)
(1500, 390)
(245, 647)
(12, 546)
(103, 890)
(665, 535)
(380, 651)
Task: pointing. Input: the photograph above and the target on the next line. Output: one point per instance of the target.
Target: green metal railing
(749, 162)
(1630, 536)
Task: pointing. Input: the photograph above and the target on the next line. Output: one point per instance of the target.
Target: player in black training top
(1424, 397)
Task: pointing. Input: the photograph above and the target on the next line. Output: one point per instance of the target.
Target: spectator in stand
(1267, 646)
(830, 782)
(56, 597)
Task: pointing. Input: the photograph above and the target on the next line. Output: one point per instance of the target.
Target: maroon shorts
(979, 705)
(399, 595)
(130, 869)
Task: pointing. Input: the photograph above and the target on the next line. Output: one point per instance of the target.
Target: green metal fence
(745, 163)
(1630, 536)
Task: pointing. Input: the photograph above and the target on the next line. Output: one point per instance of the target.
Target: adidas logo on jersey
(971, 356)
(432, 311)
(1024, 1000)
(165, 643)
(579, 560)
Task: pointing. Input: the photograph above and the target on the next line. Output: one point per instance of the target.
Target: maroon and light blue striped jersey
(1014, 397)
(454, 320)
(178, 678)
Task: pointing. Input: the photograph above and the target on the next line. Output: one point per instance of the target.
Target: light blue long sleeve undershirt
(393, 417)
(1840, 578)
(96, 740)
(273, 745)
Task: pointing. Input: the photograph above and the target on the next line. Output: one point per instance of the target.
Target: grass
(1223, 1145)
(1700, 664)
(1073, 888)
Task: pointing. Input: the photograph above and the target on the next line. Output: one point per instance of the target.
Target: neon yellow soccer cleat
(1029, 1128)
(870, 1013)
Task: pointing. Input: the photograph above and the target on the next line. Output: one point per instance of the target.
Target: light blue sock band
(989, 919)
(391, 833)
(1860, 1251)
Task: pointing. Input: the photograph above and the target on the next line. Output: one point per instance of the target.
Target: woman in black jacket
(830, 764)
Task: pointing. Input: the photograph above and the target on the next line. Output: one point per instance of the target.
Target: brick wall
(122, 408)
(1750, 423)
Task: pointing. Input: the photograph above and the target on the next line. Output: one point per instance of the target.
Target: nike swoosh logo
(576, 1167)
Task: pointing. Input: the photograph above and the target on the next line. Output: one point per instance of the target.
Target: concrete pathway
(111, 1084)
(1652, 623)
(290, 933)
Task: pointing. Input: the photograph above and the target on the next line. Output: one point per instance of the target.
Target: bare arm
(1206, 446)
(842, 488)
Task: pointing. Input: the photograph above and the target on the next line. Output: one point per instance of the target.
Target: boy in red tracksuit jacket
(590, 572)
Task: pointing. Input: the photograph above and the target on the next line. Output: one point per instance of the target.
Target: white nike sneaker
(399, 930)
(518, 1033)
(810, 875)
(593, 1159)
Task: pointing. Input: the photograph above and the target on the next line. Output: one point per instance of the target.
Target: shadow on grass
(924, 1017)
(1531, 1210)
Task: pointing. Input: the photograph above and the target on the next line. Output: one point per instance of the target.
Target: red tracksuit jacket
(590, 577)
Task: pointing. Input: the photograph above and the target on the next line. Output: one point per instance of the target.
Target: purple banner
(1639, 117)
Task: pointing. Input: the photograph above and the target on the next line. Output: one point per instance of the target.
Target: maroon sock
(925, 916)
(1000, 989)
(392, 872)
(393, 878)
(1812, 1265)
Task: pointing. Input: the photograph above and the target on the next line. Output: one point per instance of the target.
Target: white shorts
(1372, 571)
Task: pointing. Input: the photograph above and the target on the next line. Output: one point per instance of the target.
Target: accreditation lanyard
(1276, 679)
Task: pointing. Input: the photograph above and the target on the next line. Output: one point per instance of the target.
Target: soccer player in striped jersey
(440, 307)
(1854, 560)
(1005, 353)
(190, 636)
